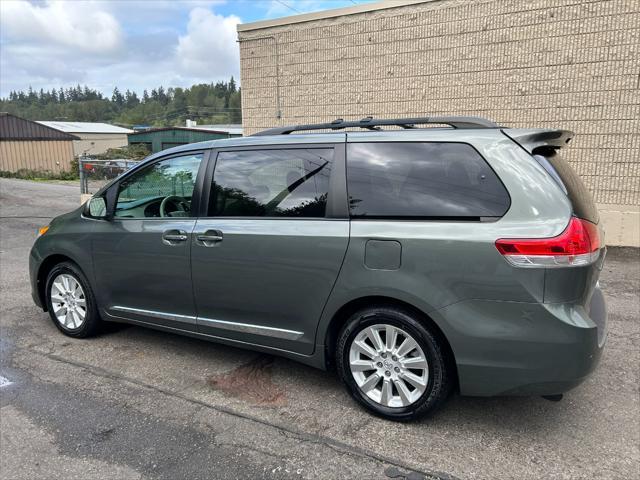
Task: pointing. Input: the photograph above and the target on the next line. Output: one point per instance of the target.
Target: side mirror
(96, 208)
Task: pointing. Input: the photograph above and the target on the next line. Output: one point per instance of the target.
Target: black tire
(91, 323)
(440, 376)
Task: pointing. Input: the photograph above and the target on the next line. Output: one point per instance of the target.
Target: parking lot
(140, 404)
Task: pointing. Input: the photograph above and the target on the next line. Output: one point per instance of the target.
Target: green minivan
(413, 259)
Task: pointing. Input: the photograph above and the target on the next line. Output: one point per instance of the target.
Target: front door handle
(209, 238)
(174, 237)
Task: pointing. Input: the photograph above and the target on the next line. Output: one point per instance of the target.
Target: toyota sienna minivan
(413, 261)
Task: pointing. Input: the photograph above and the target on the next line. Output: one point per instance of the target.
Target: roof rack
(373, 124)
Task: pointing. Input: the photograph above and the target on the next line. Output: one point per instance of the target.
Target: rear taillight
(579, 244)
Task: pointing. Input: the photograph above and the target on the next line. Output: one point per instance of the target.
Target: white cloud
(78, 25)
(209, 47)
(133, 45)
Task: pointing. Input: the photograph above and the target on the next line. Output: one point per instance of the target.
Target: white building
(95, 138)
(233, 129)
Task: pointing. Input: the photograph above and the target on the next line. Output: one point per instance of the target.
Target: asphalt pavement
(135, 403)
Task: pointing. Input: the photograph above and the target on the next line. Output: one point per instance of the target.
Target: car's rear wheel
(70, 301)
(392, 363)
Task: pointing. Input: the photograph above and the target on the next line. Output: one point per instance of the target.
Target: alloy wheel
(68, 301)
(388, 365)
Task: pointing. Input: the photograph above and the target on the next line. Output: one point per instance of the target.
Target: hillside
(206, 103)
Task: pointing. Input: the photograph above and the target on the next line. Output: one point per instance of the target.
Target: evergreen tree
(131, 99)
(208, 103)
(117, 97)
(162, 97)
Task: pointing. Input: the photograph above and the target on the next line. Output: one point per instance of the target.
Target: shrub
(133, 152)
(26, 174)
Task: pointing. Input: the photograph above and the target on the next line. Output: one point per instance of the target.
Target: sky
(132, 44)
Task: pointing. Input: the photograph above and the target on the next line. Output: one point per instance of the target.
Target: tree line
(206, 103)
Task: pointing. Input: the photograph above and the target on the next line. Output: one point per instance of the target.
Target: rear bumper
(514, 348)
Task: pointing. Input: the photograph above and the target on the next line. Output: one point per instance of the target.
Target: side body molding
(222, 324)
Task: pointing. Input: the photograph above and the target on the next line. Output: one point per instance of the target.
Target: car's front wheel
(392, 363)
(70, 301)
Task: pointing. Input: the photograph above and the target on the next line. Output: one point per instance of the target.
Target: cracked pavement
(134, 403)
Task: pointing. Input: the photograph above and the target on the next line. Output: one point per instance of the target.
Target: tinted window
(142, 194)
(581, 199)
(271, 183)
(544, 163)
(428, 180)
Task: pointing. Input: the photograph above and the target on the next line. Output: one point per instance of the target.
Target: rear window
(422, 180)
(583, 205)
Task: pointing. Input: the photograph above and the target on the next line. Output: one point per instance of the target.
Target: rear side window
(271, 183)
(422, 180)
(581, 200)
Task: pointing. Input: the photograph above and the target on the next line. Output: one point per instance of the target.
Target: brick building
(541, 63)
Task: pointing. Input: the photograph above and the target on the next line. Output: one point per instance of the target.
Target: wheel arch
(45, 267)
(349, 308)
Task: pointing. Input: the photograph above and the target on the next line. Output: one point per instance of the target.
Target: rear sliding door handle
(174, 237)
(209, 238)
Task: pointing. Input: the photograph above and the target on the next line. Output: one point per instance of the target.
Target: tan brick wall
(536, 63)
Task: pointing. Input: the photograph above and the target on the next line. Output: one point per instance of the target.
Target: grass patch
(40, 175)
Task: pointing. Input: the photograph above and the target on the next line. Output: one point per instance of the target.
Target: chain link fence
(94, 174)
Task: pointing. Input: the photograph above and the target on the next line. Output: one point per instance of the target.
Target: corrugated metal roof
(16, 128)
(85, 127)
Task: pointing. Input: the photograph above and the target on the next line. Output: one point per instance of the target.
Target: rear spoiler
(532, 139)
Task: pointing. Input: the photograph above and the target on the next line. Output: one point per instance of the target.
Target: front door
(142, 256)
(265, 258)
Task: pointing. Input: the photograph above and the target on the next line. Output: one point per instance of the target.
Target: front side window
(271, 183)
(422, 180)
(164, 189)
